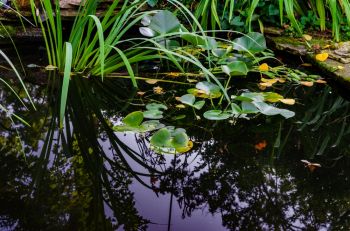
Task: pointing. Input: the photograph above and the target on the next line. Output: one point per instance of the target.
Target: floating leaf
(154, 114)
(205, 90)
(180, 106)
(272, 97)
(151, 81)
(264, 67)
(204, 42)
(188, 99)
(199, 104)
(307, 83)
(320, 81)
(216, 115)
(50, 68)
(161, 138)
(133, 119)
(156, 106)
(288, 101)
(235, 68)
(322, 57)
(187, 148)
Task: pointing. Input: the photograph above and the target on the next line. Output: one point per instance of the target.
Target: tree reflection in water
(80, 177)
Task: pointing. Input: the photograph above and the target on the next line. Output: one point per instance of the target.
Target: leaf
(179, 140)
(151, 81)
(307, 83)
(158, 90)
(156, 106)
(50, 68)
(152, 3)
(322, 57)
(187, 148)
(321, 81)
(252, 42)
(188, 99)
(272, 97)
(261, 145)
(216, 115)
(266, 109)
(133, 119)
(161, 138)
(307, 37)
(164, 22)
(145, 31)
(235, 68)
(146, 20)
(180, 106)
(288, 101)
(207, 43)
(154, 114)
(264, 67)
(199, 104)
(208, 87)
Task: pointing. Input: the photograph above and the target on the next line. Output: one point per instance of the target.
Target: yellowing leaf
(265, 84)
(281, 80)
(307, 37)
(180, 106)
(326, 46)
(288, 101)
(141, 93)
(50, 68)
(185, 149)
(264, 67)
(307, 83)
(340, 67)
(272, 81)
(173, 74)
(151, 81)
(322, 57)
(320, 81)
(178, 98)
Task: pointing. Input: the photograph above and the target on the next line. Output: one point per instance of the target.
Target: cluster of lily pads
(165, 139)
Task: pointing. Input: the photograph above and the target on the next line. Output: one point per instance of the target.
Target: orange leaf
(320, 81)
(141, 93)
(264, 67)
(261, 145)
(307, 83)
(322, 57)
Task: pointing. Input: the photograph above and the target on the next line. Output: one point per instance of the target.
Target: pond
(265, 173)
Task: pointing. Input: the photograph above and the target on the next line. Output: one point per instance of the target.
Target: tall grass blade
(66, 78)
(128, 66)
(321, 13)
(102, 43)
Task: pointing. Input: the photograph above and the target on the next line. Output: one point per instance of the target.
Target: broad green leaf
(252, 42)
(164, 22)
(266, 109)
(179, 140)
(235, 68)
(133, 119)
(216, 115)
(156, 106)
(152, 3)
(188, 99)
(272, 97)
(207, 43)
(249, 108)
(161, 138)
(209, 88)
(153, 114)
(199, 104)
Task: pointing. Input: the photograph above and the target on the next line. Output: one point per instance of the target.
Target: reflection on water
(246, 176)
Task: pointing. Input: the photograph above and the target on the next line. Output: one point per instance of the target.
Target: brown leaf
(151, 81)
(288, 101)
(307, 83)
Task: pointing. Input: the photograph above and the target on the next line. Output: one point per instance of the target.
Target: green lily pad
(190, 99)
(272, 97)
(216, 115)
(161, 138)
(235, 68)
(207, 43)
(253, 42)
(133, 119)
(156, 106)
(205, 90)
(154, 114)
(164, 22)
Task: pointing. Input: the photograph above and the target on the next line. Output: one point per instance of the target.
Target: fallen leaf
(50, 68)
(321, 81)
(281, 80)
(288, 101)
(322, 57)
(264, 67)
(158, 90)
(265, 84)
(272, 81)
(326, 46)
(141, 93)
(340, 67)
(261, 145)
(178, 98)
(307, 37)
(307, 83)
(306, 64)
(151, 81)
(180, 106)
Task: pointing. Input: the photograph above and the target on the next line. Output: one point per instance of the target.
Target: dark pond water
(245, 175)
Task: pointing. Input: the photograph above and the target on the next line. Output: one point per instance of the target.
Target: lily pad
(253, 42)
(190, 99)
(207, 43)
(216, 115)
(164, 22)
(133, 119)
(235, 68)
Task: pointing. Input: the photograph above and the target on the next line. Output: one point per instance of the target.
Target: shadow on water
(242, 176)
